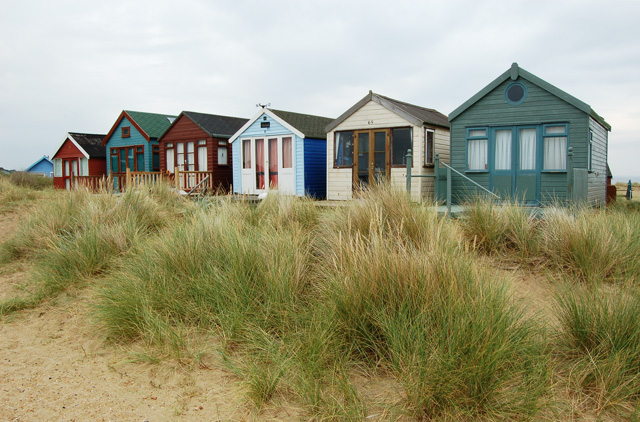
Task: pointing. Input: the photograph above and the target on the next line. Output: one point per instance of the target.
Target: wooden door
(372, 158)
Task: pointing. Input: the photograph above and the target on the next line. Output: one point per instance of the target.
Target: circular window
(515, 93)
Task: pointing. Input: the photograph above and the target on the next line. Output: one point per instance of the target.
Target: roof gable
(90, 143)
(301, 125)
(150, 125)
(214, 125)
(44, 158)
(514, 73)
(414, 114)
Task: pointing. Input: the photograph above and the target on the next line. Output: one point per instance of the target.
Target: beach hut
(368, 144)
(43, 166)
(281, 150)
(522, 138)
(80, 159)
(197, 145)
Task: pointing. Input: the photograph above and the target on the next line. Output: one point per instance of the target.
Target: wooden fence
(118, 182)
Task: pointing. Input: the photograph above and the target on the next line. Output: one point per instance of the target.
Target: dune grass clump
(13, 195)
(405, 294)
(501, 229)
(593, 245)
(599, 341)
(76, 236)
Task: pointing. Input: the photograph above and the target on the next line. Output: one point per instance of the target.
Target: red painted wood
(68, 150)
(185, 130)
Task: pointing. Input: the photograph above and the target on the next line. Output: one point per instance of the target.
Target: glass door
(526, 184)
(372, 163)
(273, 163)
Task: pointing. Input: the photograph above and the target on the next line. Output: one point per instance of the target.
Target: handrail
(472, 181)
(196, 186)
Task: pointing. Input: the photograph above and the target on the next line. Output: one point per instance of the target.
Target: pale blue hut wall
(236, 163)
(43, 167)
(299, 170)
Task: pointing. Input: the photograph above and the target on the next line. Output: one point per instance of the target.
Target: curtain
(527, 149)
(202, 159)
(246, 153)
(260, 182)
(84, 167)
(57, 167)
(171, 166)
(287, 161)
(555, 153)
(477, 154)
(503, 150)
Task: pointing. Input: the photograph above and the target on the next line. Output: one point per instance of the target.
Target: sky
(73, 66)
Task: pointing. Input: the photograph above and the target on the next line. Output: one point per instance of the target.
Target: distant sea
(625, 179)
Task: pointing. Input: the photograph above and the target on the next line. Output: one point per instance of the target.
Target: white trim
(274, 117)
(69, 137)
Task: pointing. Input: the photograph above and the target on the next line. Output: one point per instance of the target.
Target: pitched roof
(302, 125)
(44, 158)
(516, 71)
(153, 124)
(312, 126)
(90, 143)
(150, 125)
(415, 114)
(214, 125)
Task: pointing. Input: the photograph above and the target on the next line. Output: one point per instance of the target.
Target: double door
(516, 163)
(69, 171)
(268, 164)
(373, 162)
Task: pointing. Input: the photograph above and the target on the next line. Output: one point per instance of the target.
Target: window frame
(125, 132)
(390, 147)
(524, 94)
(335, 141)
(486, 137)
(589, 152)
(432, 163)
(565, 135)
(118, 151)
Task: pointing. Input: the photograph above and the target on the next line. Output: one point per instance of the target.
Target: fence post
(436, 178)
(570, 175)
(176, 177)
(409, 164)
(127, 178)
(449, 190)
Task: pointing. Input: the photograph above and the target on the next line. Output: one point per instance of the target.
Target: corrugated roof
(91, 143)
(311, 126)
(215, 125)
(417, 115)
(153, 124)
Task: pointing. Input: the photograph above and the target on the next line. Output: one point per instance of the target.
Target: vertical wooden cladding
(185, 130)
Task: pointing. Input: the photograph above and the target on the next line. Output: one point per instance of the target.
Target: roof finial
(263, 105)
(514, 71)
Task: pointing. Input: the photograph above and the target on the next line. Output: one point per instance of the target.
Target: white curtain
(202, 158)
(503, 150)
(84, 167)
(170, 160)
(57, 167)
(477, 154)
(555, 153)
(527, 149)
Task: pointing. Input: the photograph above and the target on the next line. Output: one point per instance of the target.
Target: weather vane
(263, 105)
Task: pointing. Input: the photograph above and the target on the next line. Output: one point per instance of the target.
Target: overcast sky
(73, 66)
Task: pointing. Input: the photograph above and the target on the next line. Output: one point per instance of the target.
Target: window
(515, 93)
(477, 145)
(155, 150)
(400, 144)
(223, 153)
(202, 156)
(246, 153)
(57, 167)
(287, 152)
(169, 154)
(555, 147)
(527, 157)
(126, 131)
(503, 149)
(590, 152)
(428, 146)
(344, 149)
(127, 157)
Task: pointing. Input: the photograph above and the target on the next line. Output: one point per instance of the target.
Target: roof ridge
(406, 103)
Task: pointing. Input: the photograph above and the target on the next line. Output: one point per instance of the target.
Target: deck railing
(92, 183)
(190, 180)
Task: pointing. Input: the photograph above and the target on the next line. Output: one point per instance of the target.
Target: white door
(286, 175)
(247, 171)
